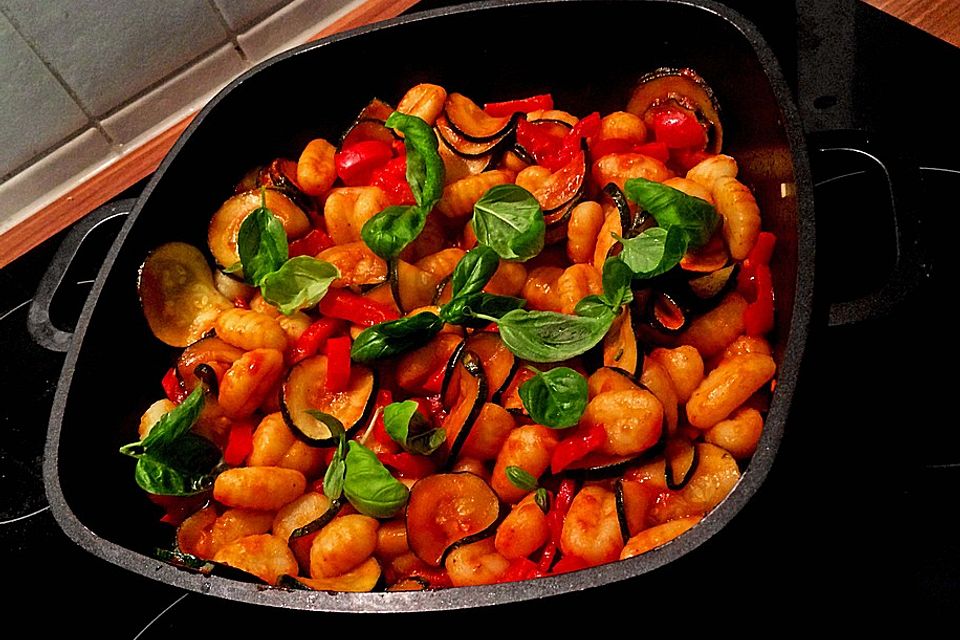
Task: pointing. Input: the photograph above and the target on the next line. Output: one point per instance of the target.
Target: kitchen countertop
(940, 18)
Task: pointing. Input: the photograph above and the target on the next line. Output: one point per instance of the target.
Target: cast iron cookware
(588, 54)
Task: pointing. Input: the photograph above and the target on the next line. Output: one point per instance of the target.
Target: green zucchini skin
(471, 364)
(306, 372)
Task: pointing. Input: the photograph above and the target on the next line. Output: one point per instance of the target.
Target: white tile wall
(37, 111)
(240, 14)
(108, 51)
(120, 71)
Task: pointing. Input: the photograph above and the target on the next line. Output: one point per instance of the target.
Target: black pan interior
(587, 54)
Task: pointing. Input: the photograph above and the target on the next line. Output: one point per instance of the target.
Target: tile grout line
(91, 121)
(231, 34)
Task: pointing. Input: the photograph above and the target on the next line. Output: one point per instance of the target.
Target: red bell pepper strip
(178, 508)
(352, 307)
(758, 316)
(172, 387)
(656, 150)
(537, 141)
(357, 162)
(611, 145)
(577, 447)
(434, 383)
(338, 363)
(547, 556)
(310, 244)
(756, 284)
(555, 518)
(569, 563)
(379, 432)
(560, 507)
(436, 578)
(543, 101)
(521, 569)
(587, 128)
(686, 159)
(392, 179)
(314, 338)
(408, 465)
(239, 443)
(607, 146)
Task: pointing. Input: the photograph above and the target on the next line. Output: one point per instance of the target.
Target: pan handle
(910, 266)
(41, 328)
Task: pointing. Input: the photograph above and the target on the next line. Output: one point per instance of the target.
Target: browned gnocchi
(469, 344)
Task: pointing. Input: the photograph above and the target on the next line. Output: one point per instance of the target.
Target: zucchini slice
(448, 510)
(211, 351)
(413, 583)
(362, 578)
(225, 223)
(619, 200)
(471, 394)
(456, 166)
(204, 567)
(369, 125)
(684, 88)
(281, 174)
(681, 461)
(178, 295)
(633, 502)
(498, 362)
(564, 185)
(304, 390)
(472, 122)
(714, 284)
(620, 348)
(666, 313)
(469, 148)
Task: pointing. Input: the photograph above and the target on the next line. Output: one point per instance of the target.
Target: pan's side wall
(591, 64)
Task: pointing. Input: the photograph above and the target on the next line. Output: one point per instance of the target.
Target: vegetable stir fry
(463, 345)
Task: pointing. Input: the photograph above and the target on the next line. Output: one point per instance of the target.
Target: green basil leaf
(474, 271)
(548, 336)
(391, 230)
(335, 474)
(262, 245)
(334, 477)
(476, 310)
(410, 429)
(617, 279)
(655, 251)
(425, 168)
(592, 307)
(184, 467)
(671, 207)
(369, 486)
(170, 459)
(395, 337)
(508, 219)
(521, 478)
(172, 425)
(555, 398)
(299, 284)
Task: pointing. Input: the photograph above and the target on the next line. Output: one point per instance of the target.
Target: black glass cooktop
(854, 517)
